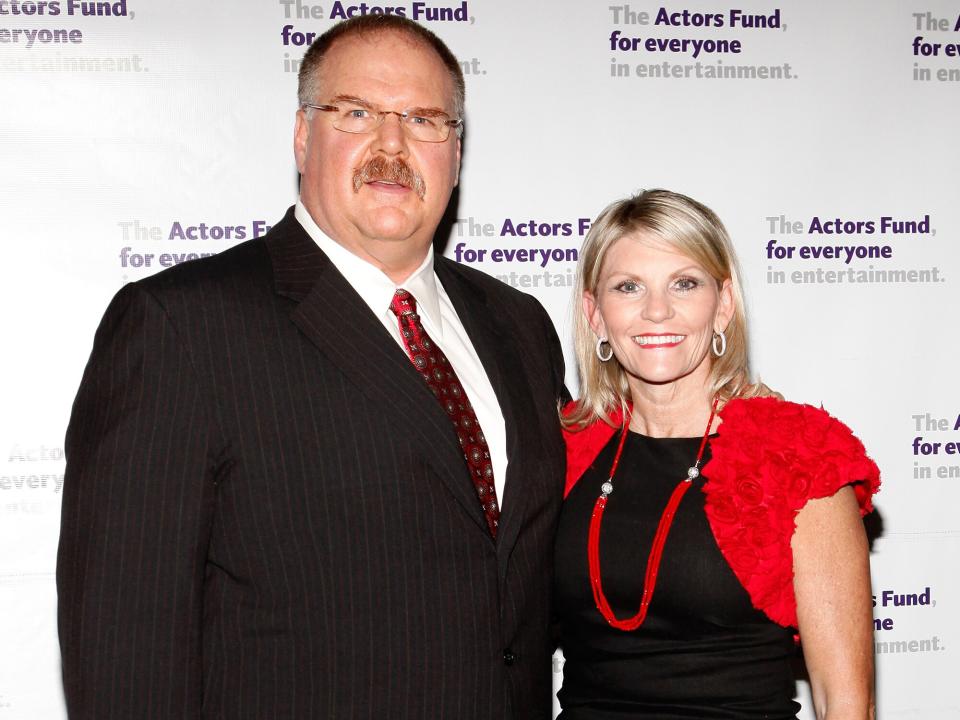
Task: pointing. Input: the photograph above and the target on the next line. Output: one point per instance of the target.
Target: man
(278, 501)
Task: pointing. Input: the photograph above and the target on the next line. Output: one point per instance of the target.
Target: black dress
(703, 650)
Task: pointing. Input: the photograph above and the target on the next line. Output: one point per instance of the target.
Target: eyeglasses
(419, 124)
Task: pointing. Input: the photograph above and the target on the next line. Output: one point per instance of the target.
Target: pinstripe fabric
(266, 513)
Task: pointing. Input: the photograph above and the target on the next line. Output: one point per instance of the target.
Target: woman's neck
(677, 409)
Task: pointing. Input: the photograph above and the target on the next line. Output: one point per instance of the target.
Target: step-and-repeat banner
(139, 134)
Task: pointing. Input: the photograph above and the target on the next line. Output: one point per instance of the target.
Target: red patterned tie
(429, 359)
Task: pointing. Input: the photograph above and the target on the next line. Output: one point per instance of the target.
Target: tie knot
(403, 303)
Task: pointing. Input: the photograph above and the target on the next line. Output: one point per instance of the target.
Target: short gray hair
(309, 75)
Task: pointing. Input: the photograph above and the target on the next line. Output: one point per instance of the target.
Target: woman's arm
(834, 606)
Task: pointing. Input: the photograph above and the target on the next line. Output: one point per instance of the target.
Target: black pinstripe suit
(267, 514)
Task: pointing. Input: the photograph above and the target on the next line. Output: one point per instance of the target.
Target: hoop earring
(600, 355)
(723, 343)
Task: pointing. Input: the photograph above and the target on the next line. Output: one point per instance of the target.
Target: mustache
(395, 171)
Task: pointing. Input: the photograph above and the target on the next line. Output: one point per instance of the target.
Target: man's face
(374, 219)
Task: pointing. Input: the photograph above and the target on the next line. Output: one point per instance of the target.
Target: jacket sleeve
(137, 502)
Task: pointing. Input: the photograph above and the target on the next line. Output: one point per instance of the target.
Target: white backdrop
(132, 137)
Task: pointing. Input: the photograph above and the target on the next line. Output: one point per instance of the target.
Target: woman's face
(658, 309)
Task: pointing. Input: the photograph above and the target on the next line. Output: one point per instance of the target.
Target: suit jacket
(267, 514)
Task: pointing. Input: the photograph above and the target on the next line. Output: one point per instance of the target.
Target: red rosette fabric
(584, 445)
(769, 458)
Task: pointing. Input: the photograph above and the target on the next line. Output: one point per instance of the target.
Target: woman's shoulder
(767, 436)
(584, 442)
(770, 457)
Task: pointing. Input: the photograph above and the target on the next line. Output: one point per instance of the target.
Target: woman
(680, 578)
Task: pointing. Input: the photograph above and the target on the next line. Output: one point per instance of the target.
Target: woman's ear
(591, 311)
(725, 308)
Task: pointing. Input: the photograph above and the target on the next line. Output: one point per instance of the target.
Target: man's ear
(456, 176)
(301, 138)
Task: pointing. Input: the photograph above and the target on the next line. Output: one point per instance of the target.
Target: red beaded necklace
(656, 550)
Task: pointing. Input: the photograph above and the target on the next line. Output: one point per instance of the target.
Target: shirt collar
(370, 282)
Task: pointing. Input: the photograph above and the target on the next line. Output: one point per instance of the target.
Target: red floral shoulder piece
(769, 458)
(584, 445)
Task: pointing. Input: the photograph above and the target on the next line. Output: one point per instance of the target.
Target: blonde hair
(690, 228)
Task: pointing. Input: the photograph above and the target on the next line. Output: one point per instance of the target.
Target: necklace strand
(659, 539)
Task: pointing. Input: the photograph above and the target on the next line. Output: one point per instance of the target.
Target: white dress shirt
(439, 320)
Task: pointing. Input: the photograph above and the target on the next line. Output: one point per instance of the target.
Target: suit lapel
(499, 352)
(335, 319)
